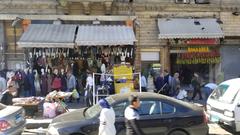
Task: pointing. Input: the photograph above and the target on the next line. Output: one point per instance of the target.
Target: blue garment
(71, 83)
(31, 78)
(104, 103)
(159, 83)
(207, 92)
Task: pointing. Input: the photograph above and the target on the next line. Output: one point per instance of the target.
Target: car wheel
(178, 132)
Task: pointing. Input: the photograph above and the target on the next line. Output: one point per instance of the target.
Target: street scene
(119, 67)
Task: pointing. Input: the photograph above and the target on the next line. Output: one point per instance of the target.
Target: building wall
(147, 12)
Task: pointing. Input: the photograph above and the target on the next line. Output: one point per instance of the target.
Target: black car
(159, 115)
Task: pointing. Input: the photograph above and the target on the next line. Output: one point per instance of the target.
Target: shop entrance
(186, 70)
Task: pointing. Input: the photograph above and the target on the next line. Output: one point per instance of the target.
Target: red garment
(56, 83)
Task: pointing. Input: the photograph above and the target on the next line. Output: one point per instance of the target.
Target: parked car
(12, 120)
(159, 115)
(223, 105)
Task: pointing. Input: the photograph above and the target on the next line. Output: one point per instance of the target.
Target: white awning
(172, 28)
(95, 35)
(48, 36)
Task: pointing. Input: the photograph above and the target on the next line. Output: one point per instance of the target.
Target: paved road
(214, 129)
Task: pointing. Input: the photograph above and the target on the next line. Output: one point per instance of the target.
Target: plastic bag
(75, 94)
(49, 110)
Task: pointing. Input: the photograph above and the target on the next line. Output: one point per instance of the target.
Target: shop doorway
(186, 70)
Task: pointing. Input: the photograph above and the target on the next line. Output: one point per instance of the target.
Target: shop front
(81, 49)
(194, 47)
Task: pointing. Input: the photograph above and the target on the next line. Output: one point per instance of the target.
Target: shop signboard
(202, 41)
(123, 78)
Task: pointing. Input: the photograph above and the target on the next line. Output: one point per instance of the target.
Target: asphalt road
(214, 129)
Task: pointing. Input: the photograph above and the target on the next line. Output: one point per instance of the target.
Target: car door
(155, 116)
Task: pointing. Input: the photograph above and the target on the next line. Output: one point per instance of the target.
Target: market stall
(30, 104)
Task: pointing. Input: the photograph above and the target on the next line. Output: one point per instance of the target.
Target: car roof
(234, 81)
(145, 95)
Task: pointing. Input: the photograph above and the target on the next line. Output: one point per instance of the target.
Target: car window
(2, 106)
(149, 108)
(167, 108)
(119, 108)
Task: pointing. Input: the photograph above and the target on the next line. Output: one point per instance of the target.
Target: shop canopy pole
(94, 88)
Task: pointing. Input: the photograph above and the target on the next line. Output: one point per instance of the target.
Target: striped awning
(95, 35)
(189, 28)
(48, 36)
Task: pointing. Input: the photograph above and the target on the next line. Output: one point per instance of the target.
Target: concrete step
(37, 123)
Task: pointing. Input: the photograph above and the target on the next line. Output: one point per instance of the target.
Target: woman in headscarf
(107, 119)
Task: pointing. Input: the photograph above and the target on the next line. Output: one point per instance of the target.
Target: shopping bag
(75, 94)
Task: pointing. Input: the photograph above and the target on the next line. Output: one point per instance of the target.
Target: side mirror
(238, 104)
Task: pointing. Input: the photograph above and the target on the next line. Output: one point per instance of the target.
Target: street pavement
(38, 125)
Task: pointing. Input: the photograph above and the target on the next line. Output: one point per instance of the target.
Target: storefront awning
(189, 28)
(48, 36)
(95, 35)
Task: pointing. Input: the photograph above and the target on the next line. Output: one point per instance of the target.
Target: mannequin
(31, 79)
(49, 78)
(123, 57)
(63, 80)
(44, 83)
(127, 59)
(56, 81)
(117, 59)
(36, 82)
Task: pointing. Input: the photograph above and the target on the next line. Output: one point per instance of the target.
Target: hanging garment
(64, 82)
(49, 78)
(44, 85)
(37, 84)
(56, 82)
(31, 80)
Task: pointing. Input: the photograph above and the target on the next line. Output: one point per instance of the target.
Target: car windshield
(221, 93)
(95, 109)
(2, 106)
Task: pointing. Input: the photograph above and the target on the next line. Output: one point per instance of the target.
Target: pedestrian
(143, 83)
(107, 119)
(8, 94)
(71, 84)
(208, 88)
(88, 90)
(175, 85)
(196, 86)
(159, 83)
(167, 82)
(3, 84)
(132, 116)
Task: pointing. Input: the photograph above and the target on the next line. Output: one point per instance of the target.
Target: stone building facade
(149, 48)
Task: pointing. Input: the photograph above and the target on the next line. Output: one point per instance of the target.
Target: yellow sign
(198, 49)
(123, 79)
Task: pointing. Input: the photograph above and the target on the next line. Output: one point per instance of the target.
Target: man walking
(131, 117)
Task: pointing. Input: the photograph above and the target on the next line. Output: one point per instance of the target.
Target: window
(120, 108)
(149, 108)
(167, 108)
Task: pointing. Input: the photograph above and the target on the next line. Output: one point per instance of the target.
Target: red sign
(202, 41)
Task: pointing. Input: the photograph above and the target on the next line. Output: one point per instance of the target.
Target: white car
(223, 105)
(12, 120)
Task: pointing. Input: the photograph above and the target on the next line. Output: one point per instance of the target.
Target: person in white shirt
(3, 84)
(132, 117)
(143, 83)
(107, 119)
(88, 90)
